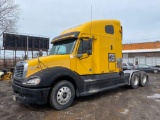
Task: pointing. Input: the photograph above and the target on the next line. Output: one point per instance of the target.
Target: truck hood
(37, 64)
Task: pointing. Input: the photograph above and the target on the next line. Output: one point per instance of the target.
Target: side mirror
(40, 53)
(85, 47)
(89, 51)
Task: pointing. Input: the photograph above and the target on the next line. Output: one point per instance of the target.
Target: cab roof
(88, 28)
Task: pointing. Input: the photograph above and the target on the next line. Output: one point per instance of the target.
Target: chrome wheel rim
(63, 95)
(144, 79)
(136, 81)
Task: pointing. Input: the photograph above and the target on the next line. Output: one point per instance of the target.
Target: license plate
(14, 98)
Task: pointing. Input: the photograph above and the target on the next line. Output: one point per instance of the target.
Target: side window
(83, 47)
(124, 64)
(145, 66)
(109, 29)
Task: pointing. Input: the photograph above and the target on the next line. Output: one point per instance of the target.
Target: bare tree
(9, 14)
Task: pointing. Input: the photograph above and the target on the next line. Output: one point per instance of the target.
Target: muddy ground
(117, 104)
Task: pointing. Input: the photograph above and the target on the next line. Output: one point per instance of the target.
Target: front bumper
(30, 95)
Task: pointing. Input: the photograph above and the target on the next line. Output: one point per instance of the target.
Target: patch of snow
(125, 112)
(155, 96)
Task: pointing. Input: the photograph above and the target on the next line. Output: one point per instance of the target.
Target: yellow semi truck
(83, 60)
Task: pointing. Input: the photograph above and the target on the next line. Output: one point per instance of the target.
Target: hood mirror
(39, 53)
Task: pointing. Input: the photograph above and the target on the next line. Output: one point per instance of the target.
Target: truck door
(84, 60)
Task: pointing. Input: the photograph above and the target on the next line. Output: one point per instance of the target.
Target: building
(142, 53)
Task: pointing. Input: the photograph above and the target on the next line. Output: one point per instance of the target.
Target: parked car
(158, 66)
(147, 68)
(127, 66)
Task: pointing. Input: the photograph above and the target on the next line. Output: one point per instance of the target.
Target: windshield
(63, 47)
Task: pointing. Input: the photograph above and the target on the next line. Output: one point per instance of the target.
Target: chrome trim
(25, 70)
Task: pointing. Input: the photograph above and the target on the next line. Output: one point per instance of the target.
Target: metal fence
(8, 63)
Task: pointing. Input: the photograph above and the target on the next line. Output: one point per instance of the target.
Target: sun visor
(65, 36)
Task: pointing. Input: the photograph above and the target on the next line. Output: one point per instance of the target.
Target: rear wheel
(144, 79)
(62, 95)
(134, 80)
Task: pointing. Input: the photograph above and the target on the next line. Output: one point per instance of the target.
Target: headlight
(32, 81)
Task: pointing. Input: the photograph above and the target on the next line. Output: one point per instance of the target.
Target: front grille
(19, 71)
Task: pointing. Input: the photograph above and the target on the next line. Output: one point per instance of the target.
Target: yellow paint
(7, 76)
(112, 66)
(36, 65)
(96, 63)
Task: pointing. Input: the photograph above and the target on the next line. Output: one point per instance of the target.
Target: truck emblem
(33, 67)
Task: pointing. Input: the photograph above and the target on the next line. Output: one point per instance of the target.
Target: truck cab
(83, 60)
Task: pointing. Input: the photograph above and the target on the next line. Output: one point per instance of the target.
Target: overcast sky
(140, 18)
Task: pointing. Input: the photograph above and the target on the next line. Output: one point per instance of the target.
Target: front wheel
(62, 95)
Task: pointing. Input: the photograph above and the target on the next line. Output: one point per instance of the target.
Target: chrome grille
(19, 71)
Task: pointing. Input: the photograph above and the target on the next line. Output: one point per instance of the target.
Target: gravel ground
(117, 104)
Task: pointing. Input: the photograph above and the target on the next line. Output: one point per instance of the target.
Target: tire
(62, 95)
(155, 71)
(144, 79)
(134, 80)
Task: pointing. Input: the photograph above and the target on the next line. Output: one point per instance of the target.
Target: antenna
(91, 22)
